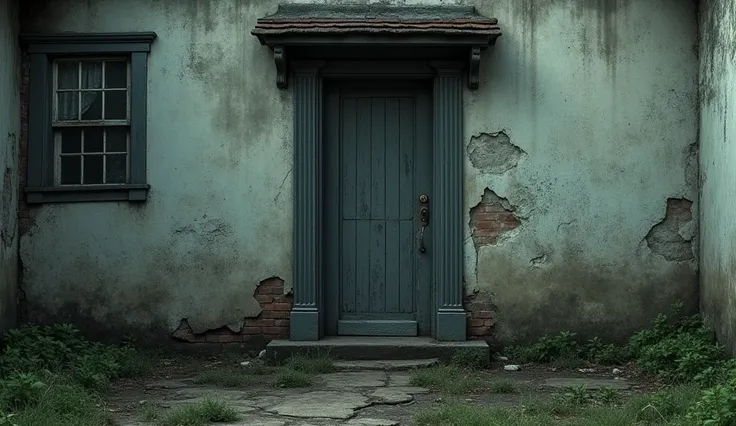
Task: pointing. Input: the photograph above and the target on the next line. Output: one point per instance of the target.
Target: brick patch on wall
(480, 316)
(491, 218)
(272, 323)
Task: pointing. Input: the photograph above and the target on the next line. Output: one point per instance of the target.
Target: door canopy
(376, 32)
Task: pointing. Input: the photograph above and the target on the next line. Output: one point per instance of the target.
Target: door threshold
(376, 348)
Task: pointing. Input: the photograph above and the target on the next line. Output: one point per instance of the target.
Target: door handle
(423, 220)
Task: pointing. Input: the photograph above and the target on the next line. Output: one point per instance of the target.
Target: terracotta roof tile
(328, 19)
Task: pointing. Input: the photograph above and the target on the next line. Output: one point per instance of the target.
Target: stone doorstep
(348, 348)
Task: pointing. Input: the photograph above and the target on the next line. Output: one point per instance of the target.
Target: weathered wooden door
(378, 162)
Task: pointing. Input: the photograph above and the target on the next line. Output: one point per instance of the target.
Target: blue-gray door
(378, 162)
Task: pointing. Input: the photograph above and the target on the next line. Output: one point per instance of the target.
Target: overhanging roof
(376, 19)
(320, 27)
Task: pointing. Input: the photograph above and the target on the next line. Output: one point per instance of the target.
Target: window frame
(43, 50)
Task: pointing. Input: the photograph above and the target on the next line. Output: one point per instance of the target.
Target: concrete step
(386, 364)
(375, 348)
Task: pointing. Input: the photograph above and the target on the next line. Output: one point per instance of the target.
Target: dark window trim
(42, 50)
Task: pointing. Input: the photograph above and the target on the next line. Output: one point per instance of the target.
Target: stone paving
(334, 399)
(371, 397)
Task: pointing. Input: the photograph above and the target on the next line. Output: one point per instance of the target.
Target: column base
(304, 325)
(451, 325)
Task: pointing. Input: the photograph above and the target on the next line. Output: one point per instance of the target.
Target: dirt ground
(366, 397)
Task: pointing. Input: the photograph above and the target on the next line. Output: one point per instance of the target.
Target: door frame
(448, 317)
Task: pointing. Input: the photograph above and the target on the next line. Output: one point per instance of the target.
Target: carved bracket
(474, 69)
(282, 74)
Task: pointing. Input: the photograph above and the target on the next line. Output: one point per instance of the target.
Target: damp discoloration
(717, 153)
(9, 161)
(598, 102)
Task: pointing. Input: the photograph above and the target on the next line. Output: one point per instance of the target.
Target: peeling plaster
(672, 237)
(494, 153)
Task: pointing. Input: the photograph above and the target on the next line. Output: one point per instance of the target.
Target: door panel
(376, 138)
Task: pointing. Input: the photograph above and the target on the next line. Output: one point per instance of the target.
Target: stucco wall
(718, 167)
(597, 105)
(9, 133)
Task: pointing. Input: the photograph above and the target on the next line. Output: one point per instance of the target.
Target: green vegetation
(699, 378)
(200, 414)
(51, 376)
(299, 370)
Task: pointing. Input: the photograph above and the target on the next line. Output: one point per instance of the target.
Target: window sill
(87, 193)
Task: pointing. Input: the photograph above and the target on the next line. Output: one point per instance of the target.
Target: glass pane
(92, 169)
(67, 106)
(93, 139)
(117, 139)
(116, 74)
(71, 140)
(116, 168)
(68, 77)
(116, 105)
(91, 105)
(71, 170)
(91, 74)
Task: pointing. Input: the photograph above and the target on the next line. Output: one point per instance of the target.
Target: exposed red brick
(491, 218)
(480, 316)
(273, 321)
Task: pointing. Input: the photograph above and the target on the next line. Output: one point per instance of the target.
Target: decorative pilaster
(305, 314)
(447, 219)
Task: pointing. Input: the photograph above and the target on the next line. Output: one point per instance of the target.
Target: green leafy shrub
(547, 349)
(678, 349)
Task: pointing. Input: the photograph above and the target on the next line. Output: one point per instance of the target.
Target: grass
(447, 379)
(299, 370)
(601, 408)
(288, 378)
(200, 414)
(315, 363)
(64, 403)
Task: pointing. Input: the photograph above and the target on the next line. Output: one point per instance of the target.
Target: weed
(290, 378)
(577, 395)
(150, 413)
(467, 415)
(465, 358)
(547, 349)
(207, 411)
(447, 379)
(311, 363)
(65, 403)
(608, 396)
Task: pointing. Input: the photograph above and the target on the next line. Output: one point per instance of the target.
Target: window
(91, 121)
(87, 117)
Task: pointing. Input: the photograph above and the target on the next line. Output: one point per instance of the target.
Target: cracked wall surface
(219, 216)
(605, 120)
(9, 136)
(585, 123)
(717, 171)
(672, 237)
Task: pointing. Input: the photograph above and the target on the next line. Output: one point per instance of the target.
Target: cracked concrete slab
(356, 379)
(321, 404)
